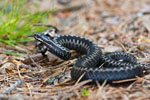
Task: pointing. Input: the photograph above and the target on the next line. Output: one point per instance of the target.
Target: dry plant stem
(48, 25)
(119, 23)
(71, 8)
(100, 88)
(2, 78)
(122, 46)
(13, 47)
(101, 92)
(61, 97)
(27, 67)
(20, 49)
(14, 86)
(34, 61)
(131, 85)
(66, 63)
(69, 89)
(80, 78)
(29, 89)
(62, 92)
(35, 57)
(104, 83)
(19, 72)
(53, 75)
(127, 80)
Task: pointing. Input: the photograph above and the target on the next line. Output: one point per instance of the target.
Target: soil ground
(114, 25)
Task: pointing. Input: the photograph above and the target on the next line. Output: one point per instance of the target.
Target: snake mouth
(36, 35)
(40, 37)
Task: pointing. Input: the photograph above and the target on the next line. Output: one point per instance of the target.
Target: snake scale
(111, 66)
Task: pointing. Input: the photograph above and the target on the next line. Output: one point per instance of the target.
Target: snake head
(52, 46)
(41, 37)
(42, 41)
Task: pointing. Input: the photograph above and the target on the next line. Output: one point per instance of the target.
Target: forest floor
(114, 25)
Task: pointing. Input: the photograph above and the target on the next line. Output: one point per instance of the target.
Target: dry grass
(115, 25)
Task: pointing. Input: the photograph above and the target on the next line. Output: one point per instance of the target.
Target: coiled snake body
(94, 64)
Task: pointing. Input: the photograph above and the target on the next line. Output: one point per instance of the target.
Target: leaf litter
(114, 25)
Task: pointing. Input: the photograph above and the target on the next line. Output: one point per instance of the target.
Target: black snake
(94, 64)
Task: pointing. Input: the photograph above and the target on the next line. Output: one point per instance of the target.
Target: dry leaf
(6, 67)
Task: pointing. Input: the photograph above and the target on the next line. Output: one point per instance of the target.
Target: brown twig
(35, 57)
(80, 78)
(71, 8)
(29, 89)
(12, 87)
(33, 61)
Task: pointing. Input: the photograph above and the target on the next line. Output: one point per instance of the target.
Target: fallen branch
(14, 86)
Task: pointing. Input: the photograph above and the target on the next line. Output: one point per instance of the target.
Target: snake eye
(37, 35)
